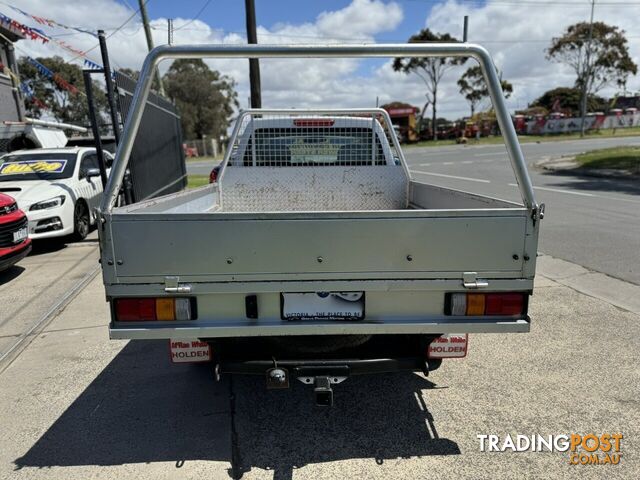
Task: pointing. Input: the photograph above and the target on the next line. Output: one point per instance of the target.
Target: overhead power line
(206, 4)
(111, 34)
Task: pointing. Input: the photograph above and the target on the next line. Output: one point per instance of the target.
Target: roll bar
(318, 51)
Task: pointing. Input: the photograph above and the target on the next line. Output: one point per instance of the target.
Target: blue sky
(229, 14)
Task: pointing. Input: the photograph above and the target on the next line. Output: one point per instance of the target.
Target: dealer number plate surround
(322, 306)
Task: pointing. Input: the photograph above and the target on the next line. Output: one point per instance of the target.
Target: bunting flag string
(55, 77)
(50, 22)
(92, 65)
(30, 94)
(32, 33)
(36, 34)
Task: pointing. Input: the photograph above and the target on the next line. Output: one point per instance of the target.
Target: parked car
(57, 188)
(15, 243)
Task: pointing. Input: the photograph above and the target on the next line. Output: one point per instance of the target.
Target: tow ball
(277, 377)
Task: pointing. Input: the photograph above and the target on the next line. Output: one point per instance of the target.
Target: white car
(57, 188)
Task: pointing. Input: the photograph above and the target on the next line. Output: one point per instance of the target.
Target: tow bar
(320, 376)
(323, 392)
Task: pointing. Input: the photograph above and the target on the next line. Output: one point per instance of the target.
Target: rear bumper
(330, 368)
(433, 326)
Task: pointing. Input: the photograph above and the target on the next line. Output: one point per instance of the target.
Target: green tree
(429, 69)
(567, 100)
(64, 105)
(599, 63)
(135, 74)
(205, 98)
(474, 87)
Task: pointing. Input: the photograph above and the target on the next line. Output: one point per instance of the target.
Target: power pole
(170, 31)
(254, 63)
(586, 72)
(147, 34)
(465, 28)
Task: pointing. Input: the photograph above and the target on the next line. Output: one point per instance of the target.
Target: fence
(205, 147)
(157, 163)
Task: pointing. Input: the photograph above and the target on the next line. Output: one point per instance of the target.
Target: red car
(14, 241)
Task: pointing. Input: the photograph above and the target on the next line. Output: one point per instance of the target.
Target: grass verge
(618, 158)
(195, 181)
(208, 158)
(604, 133)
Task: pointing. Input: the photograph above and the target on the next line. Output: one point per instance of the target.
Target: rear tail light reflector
(474, 304)
(154, 309)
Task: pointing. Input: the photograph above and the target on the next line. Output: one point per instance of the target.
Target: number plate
(323, 305)
(20, 235)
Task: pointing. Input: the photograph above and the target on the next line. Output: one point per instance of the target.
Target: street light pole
(147, 34)
(586, 72)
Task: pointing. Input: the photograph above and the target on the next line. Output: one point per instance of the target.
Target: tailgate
(360, 245)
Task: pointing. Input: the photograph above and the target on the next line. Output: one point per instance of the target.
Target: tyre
(81, 221)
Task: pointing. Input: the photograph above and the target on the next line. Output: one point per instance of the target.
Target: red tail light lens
(504, 303)
(474, 304)
(135, 309)
(313, 122)
(213, 176)
(154, 309)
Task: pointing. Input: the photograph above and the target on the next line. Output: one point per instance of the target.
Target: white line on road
(466, 161)
(558, 190)
(452, 176)
(606, 197)
(424, 165)
(488, 154)
(447, 163)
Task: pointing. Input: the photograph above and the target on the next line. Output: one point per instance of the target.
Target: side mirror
(92, 172)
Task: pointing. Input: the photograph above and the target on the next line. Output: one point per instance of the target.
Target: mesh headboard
(268, 189)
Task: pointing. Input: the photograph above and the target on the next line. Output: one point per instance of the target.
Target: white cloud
(517, 35)
(522, 30)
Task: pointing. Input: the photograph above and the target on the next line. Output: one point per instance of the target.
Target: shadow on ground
(10, 273)
(49, 245)
(139, 409)
(382, 417)
(142, 409)
(577, 180)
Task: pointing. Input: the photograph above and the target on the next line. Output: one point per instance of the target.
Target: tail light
(213, 176)
(313, 122)
(154, 309)
(473, 304)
